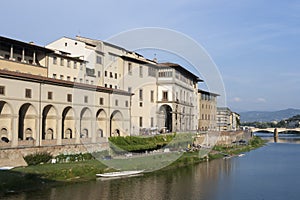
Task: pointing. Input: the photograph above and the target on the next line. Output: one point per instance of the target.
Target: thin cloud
(236, 99)
(261, 100)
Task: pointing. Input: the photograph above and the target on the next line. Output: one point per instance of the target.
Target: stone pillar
(38, 131)
(34, 58)
(23, 55)
(14, 142)
(59, 131)
(93, 130)
(77, 131)
(11, 56)
(275, 135)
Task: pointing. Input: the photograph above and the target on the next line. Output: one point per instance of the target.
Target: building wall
(207, 111)
(38, 119)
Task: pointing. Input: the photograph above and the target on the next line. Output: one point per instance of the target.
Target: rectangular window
(152, 122)
(165, 96)
(62, 61)
(81, 66)
(68, 63)
(69, 97)
(126, 103)
(2, 90)
(101, 100)
(99, 60)
(110, 74)
(141, 122)
(105, 85)
(54, 75)
(116, 75)
(129, 69)
(105, 73)
(141, 104)
(116, 87)
(141, 94)
(129, 89)
(116, 102)
(75, 65)
(99, 73)
(50, 95)
(28, 93)
(54, 60)
(152, 96)
(141, 71)
(85, 99)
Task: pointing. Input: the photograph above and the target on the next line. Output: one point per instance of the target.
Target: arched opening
(101, 118)
(49, 123)
(84, 133)
(85, 122)
(68, 134)
(68, 123)
(116, 120)
(165, 118)
(27, 122)
(49, 134)
(6, 117)
(100, 133)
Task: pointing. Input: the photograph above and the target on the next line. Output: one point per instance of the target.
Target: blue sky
(255, 44)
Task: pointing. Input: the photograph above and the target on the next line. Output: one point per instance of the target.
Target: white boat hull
(120, 174)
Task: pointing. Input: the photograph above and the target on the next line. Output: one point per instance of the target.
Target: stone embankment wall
(13, 157)
(228, 137)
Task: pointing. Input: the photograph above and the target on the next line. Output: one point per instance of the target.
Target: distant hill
(268, 116)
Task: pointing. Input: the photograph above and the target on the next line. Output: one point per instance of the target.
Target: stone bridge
(271, 130)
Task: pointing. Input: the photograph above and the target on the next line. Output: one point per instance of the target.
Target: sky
(255, 44)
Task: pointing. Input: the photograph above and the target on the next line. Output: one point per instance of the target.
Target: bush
(73, 157)
(37, 158)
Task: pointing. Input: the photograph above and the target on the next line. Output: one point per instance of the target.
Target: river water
(270, 172)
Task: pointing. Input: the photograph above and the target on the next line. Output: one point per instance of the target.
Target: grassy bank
(48, 175)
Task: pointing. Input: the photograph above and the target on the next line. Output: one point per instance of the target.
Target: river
(270, 172)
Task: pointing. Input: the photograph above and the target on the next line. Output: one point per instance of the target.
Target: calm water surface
(271, 172)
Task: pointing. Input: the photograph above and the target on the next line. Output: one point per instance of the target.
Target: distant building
(227, 120)
(207, 111)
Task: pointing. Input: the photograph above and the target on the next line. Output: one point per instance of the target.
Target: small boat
(241, 155)
(120, 174)
(227, 157)
(6, 168)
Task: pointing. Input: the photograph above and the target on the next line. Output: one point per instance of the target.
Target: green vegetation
(254, 143)
(62, 158)
(136, 144)
(37, 158)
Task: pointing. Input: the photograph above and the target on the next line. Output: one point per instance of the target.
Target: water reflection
(283, 138)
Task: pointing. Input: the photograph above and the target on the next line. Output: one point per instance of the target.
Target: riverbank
(49, 175)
